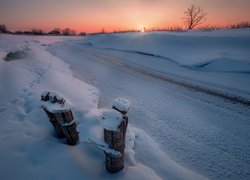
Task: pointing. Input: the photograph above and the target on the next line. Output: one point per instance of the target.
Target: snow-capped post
(116, 138)
(60, 115)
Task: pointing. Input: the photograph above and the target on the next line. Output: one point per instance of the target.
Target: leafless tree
(194, 16)
(3, 28)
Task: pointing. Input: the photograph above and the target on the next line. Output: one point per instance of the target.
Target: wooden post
(116, 141)
(53, 121)
(66, 121)
(62, 119)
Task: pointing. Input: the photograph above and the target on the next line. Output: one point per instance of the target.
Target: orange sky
(93, 15)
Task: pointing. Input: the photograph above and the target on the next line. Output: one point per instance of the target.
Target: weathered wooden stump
(68, 126)
(60, 116)
(55, 124)
(116, 141)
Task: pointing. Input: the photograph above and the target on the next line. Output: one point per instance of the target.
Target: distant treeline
(71, 32)
(34, 31)
(202, 28)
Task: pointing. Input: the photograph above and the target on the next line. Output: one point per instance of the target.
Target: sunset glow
(93, 15)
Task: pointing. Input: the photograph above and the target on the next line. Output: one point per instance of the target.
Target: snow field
(29, 148)
(205, 133)
(222, 50)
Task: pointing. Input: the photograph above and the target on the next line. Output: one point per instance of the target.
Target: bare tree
(3, 28)
(194, 16)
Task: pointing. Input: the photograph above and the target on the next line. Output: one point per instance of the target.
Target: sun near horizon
(111, 15)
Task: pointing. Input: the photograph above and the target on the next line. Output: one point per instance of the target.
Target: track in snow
(220, 94)
(196, 129)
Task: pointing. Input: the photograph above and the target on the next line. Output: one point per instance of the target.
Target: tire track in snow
(223, 95)
(199, 140)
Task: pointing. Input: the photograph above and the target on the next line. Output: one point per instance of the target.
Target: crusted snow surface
(25, 130)
(202, 132)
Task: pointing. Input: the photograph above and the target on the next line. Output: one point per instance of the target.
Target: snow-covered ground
(216, 57)
(29, 148)
(189, 94)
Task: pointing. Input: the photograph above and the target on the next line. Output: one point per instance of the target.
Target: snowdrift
(189, 49)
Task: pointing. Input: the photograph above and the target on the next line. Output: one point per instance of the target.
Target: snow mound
(94, 122)
(91, 129)
(129, 146)
(184, 48)
(121, 104)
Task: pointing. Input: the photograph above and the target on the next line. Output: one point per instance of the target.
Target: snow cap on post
(110, 119)
(121, 104)
(54, 102)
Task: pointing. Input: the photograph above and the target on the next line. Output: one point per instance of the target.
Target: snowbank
(216, 59)
(183, 48)
(29, 149)
(198, 130)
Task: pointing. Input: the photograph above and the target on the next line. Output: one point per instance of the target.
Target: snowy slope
(216, 59)
(184, 48)
(200, 130)
(28, 146)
